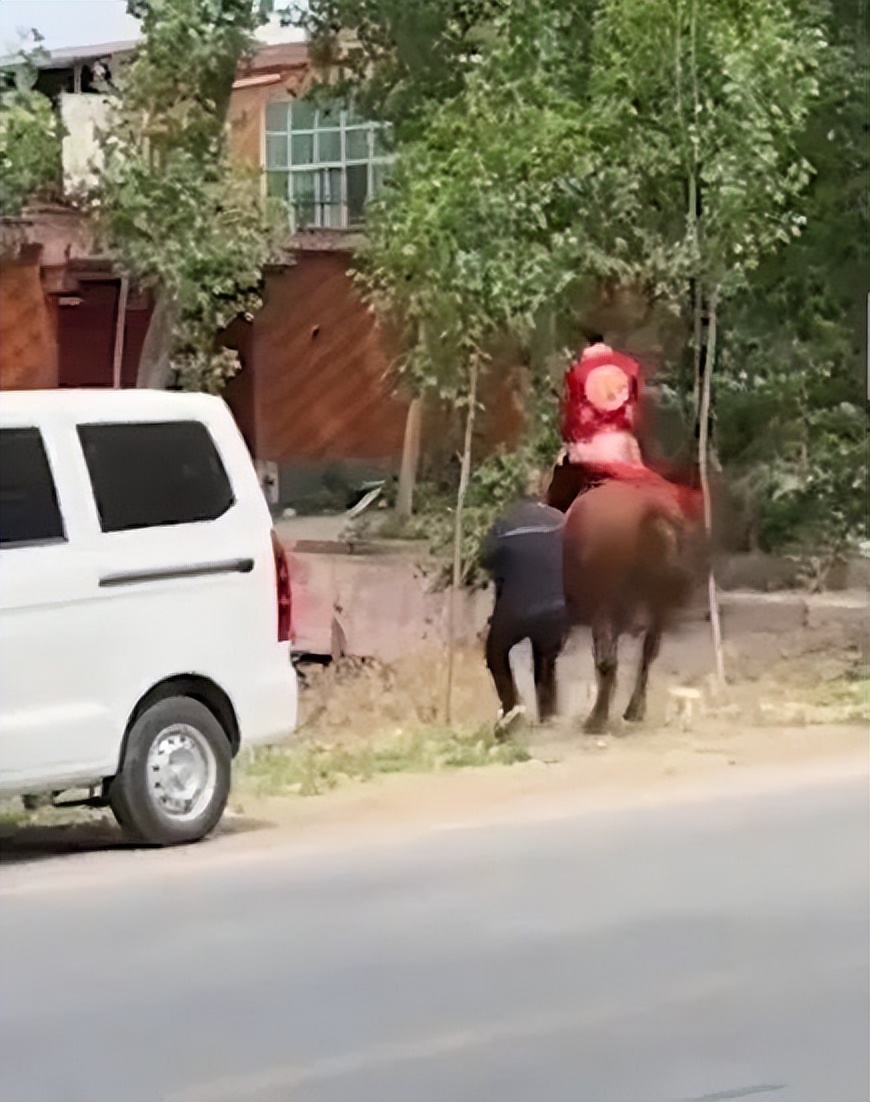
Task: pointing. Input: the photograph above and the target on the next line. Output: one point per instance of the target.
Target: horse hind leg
(636, 710)
(605, 649)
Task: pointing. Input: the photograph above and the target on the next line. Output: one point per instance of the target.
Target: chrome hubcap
(182, 772)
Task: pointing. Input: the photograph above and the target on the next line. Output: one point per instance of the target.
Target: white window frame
(321, 169)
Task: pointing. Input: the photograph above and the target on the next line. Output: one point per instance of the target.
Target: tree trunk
(464, 474)
(703, 464)
(120, 328)
(410, 459)
(155, 370)
(697, 337)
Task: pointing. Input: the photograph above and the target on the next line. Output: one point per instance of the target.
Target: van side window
(152, 474)
(29, 510)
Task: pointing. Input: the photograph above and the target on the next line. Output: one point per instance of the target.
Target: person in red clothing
(599, 424)
(599, 403)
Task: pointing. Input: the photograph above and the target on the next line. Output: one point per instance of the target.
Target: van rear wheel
(174, 781)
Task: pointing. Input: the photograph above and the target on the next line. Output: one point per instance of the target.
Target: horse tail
(664, 561)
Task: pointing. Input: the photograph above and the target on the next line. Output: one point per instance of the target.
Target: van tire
(174, 780)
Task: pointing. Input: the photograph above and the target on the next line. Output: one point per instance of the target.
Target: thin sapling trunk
(464, 474)
(703, 464)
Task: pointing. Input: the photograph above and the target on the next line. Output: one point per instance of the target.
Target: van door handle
(172, 573)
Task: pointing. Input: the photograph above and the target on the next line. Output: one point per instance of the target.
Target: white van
(144, 606)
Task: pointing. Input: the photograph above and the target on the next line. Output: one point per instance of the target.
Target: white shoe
(504, 722)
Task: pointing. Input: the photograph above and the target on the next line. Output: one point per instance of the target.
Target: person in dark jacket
(523, 552)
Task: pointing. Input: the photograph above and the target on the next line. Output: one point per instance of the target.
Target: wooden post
(120, 325)
(410, 459)
(703, 449)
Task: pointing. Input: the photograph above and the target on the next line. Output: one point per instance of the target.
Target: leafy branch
(30, 134)
(182, 218)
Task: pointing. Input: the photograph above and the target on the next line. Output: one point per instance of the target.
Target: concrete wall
(63, 234)
(82, 116)
(378, 606)
(384, 605)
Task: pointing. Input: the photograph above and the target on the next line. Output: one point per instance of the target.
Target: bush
(30, 140)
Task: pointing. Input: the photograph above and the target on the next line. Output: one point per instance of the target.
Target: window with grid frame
(326, 162)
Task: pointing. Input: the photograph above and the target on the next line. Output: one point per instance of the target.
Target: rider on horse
(599, 425)
(599, 405)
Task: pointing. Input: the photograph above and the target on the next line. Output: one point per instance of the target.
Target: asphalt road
(708, 950)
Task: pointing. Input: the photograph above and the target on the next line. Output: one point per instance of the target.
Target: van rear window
(29, 511)
(154, 474)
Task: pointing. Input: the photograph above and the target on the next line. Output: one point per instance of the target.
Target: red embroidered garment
(679, 500)
(600, 394)
(599, 402)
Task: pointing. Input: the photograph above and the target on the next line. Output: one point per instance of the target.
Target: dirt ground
(563, 776)
(798, 702)
(809, 675)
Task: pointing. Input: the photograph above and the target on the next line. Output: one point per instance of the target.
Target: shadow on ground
(24, 843)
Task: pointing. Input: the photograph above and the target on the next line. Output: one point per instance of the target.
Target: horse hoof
(634, 715)
(594, 725)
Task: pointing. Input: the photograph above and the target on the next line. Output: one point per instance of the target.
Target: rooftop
(73, 55)
(279, 47)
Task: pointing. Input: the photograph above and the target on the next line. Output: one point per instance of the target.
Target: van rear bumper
(268, 712)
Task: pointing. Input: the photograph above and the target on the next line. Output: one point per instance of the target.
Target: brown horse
(630, 562)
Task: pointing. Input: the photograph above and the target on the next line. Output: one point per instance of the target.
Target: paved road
(708, 950)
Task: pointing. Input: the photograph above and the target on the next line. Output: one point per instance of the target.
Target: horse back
(625, 549)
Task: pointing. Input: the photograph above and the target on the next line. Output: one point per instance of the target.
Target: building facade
(317, 387)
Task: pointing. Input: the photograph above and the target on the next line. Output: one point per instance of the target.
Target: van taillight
(283, 591)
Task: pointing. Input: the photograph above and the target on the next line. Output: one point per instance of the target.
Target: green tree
(700, 106)
(403, 57)
(182, 218)
(674, 149)
(30, 135)
(460, 251)
(663, 157)
(792, 405)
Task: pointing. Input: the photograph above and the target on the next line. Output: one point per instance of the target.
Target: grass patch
(311, 768)
(844, 699)
(850, 694)
(12, 814)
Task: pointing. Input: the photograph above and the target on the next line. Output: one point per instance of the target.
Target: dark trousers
(546, 632)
